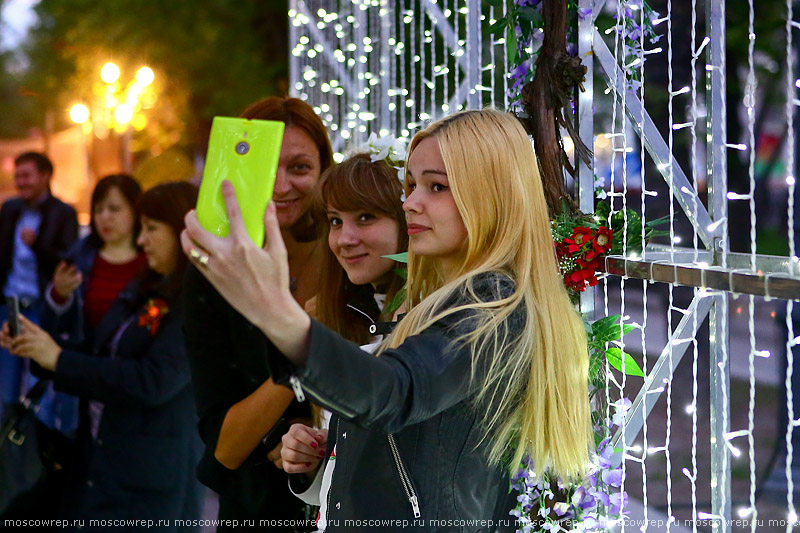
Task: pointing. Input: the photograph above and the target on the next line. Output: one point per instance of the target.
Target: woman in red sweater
(93, 272)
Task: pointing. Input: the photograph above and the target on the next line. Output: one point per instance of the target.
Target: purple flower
(602, 497)
(613, 477)
(582, 499)
(654, 15)
(572, 49)
(561, 508)
(618, 502)
(620, 409)
(519, 74)
(634, 32)
(584, 12)
(527, 3)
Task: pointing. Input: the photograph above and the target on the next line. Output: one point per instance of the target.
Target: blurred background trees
(208, 58)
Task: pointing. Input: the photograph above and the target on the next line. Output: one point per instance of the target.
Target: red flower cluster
(579, 256)
(154, 311)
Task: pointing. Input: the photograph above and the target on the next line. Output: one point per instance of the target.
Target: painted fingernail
(322, 454)
(314, 444)
(308, 464)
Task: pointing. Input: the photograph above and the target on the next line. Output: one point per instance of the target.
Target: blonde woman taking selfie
(489, 364)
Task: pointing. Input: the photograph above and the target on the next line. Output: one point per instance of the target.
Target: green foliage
(635, 226)
(599, 334)
(400, 258)
(400, 297)
(221, 54)
(623, 362)
(396, 302)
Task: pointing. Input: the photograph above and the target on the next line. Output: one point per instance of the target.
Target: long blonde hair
(536, 382)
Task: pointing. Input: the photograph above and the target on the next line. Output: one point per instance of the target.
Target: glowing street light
(79, 113)
(123, 114)
(145, 76)
(109, 73)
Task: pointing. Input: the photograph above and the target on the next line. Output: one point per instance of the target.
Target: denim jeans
(57, 409)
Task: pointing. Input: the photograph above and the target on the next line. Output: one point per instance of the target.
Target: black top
(228, 359)
(57, 232)
(141, 464)
(421, 393)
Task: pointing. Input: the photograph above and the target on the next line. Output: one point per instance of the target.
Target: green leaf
(400, 258)
(605, 323)
(615, 359)
(396, 302)
(526, 31)
(402, 272)
(511, 39)
(497, 27)
(601, 210)
(658, 221)
(531, 14)
(495, 3)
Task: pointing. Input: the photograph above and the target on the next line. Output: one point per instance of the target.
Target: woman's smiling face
(359, 239)
(298, 171)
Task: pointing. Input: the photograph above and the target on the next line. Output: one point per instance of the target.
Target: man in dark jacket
(36, 229)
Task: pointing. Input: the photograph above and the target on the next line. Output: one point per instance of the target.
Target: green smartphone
(244, 152)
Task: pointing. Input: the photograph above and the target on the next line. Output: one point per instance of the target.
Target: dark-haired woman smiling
(143, 447)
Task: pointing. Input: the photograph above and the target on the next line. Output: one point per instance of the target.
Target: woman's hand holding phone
(32, 342)
(255, 281)
(66, 279)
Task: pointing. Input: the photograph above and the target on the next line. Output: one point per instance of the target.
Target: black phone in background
(275, 435)
(13, 315)
(68, 259)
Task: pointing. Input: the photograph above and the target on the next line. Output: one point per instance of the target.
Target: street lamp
(79, 113)
(117, 106)
(109, 73)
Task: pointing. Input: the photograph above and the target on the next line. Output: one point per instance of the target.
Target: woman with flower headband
(489, 364)
(141, 443)
(360, 200)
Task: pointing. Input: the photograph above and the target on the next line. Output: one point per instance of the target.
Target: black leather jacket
(421, 394)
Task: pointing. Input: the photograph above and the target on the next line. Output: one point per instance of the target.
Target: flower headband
(386, 148)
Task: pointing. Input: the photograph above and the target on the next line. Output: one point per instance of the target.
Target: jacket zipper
(299, 393)
(330, 488)
(405, 479)
(298, 390)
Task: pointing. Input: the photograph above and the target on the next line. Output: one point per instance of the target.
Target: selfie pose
(242, 412)
(489, 364)
(142, 444)
(360, 200)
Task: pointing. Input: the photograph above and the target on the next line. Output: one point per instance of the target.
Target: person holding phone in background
(489, 364)
(142, 447)
(237, 401)
(101, 264)
(360, 199)
(36, 229)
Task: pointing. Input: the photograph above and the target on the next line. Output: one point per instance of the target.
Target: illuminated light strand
(790, 170)
(695, 354)
(643, 197)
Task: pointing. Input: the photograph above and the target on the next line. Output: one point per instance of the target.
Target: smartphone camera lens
(242, 148)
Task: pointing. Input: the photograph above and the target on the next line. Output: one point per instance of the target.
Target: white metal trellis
(388, 67)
